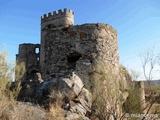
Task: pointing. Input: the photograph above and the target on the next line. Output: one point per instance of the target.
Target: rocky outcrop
(73, 96)
(22, 111)
(69, 92)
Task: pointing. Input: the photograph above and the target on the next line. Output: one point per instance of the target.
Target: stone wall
(140, 86)
(29, 54)
(66, 48)
(54, 21)
(77, 48)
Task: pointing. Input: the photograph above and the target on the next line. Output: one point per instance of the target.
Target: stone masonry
(29, 54)
(65, 47)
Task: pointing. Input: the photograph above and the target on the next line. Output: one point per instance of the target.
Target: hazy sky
(137, 23)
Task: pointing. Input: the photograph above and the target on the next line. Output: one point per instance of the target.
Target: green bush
(134, 102)
(105, 91)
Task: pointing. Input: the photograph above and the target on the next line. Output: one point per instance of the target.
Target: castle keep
(67, 48)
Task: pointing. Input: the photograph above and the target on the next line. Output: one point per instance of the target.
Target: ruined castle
(67, 50)
(66, 47)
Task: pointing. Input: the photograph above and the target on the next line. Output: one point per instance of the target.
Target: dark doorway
(72, 59)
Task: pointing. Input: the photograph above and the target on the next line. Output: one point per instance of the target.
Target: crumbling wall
(76, 48)
(29, 54)
(140, 86)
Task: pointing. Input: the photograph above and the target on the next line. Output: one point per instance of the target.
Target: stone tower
(77, 48)
(29, 54)
(53, 21)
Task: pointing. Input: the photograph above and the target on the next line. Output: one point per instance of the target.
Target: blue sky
(137, 23)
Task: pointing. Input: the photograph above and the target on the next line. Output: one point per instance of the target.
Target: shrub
(134, 102)
(7, 97)
(55, 112)
(105, 91)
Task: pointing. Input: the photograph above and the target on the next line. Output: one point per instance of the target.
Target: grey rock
(72, 116)
(78, 108)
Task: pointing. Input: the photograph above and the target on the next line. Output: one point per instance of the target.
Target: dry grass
(155, 109)
(55, 112)
(7, 97)
(133, 103)
(21, 111)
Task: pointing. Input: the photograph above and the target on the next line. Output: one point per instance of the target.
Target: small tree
(134, 74)
(149, 61)
(7, 72)
(6, 77)
(107, 98)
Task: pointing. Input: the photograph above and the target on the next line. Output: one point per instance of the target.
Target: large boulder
(69, 92)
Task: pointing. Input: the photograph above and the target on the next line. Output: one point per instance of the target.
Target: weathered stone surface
(75, 83)
(23, 111)
(89, 42)
(85, 98)
(68, 91)
(39, 78)
(62, 51)
(29, 54)
(78, 108)
(55, 20)
(73, 116)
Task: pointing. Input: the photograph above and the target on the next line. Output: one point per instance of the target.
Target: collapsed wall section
(29, 54)
(77, 48)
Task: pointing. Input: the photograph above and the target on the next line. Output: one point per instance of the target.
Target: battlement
(56, 15)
